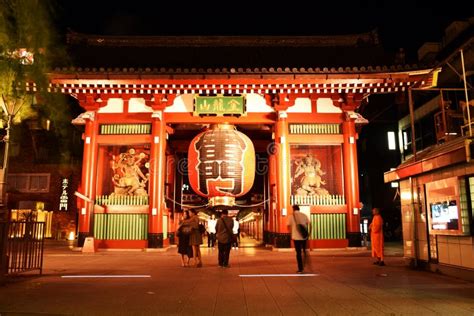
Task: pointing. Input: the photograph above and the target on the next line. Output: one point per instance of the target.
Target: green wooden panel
(121, 226)
(113, 226)
(98, 223)
(314, 129)
(331, 226)
(125, 129)
(328, 226)
(342, 225)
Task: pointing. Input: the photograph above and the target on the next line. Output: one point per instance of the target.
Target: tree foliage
(28, 46)
(26, 37)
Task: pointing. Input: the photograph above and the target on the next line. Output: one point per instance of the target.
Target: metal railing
(24, 247)
(3, 249)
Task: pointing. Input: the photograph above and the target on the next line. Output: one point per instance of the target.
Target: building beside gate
(436, 176)
(296, 98)
(43, 173)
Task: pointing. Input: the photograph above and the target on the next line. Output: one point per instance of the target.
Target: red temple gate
(302, 122)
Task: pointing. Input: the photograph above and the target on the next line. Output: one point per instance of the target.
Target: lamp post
(10, 107)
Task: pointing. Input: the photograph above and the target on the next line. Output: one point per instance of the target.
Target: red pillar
(270, 227)
(282, 236)
(157, 181)
(88, 183)
(351, 182)
(101, 171)
(169, 193)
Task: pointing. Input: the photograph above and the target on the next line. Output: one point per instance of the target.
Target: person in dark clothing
(195, 239)
(224, 238)
(184, 248)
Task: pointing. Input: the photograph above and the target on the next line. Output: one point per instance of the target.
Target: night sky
(400, 23)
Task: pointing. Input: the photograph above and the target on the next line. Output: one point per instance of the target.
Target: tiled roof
(220, 54)
(318, 64)
(350, 40)
(240, 70)
(141, 83)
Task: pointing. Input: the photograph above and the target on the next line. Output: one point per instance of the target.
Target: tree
(26, 39)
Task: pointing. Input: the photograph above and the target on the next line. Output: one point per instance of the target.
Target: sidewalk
(155, 284)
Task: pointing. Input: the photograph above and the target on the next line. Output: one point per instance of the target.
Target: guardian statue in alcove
(308, 175)
(128, 178)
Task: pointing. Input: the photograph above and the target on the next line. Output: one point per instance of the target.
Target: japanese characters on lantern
(221, 164)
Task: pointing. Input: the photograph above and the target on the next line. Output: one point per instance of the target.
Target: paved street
(154, 283)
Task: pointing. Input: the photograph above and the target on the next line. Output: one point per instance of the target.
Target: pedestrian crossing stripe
(105, 276)
(277, 275)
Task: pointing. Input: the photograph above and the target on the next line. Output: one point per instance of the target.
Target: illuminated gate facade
(139, 123)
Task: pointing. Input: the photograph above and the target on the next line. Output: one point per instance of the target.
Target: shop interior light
(71, 236)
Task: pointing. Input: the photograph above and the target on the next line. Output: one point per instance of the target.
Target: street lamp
(10, 107)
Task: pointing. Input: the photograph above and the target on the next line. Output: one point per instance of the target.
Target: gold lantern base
(222, 200)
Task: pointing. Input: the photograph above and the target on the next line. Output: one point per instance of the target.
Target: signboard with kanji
(63, 199)
(219, 105)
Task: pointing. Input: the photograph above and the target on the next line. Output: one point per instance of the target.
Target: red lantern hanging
(221, 164)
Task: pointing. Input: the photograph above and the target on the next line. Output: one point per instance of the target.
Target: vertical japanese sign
(63, 199)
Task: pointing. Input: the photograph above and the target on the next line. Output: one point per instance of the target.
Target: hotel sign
(63, 199)
(219, 105)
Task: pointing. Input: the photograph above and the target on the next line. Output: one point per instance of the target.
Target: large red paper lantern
(221, 164)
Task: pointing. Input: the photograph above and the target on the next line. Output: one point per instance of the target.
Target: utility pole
(10, 106)
(4, 211)
(3, 173)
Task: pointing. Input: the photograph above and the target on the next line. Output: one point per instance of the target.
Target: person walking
(235, 232)
(297, 235)
(184, 232)
(195, 240)
(211, 231)
(376, 236)
(224, 238)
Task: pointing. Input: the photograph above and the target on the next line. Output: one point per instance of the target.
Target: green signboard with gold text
(219, 105)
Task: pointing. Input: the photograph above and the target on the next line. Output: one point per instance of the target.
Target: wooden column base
(282, 240)
(155, 240)
(81, 237)
(354, 239)
(172, 239)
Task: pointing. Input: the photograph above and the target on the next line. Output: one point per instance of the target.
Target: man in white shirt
(235, 231)
(298, 240)
(211, 231)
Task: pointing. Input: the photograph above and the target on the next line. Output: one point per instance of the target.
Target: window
(391, 141)
(424, 133)
(405, 141)
(29, 182)
(447, 204)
